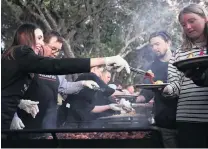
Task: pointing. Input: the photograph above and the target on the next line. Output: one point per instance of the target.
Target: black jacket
(83, 103)
(16, 66)
(44, 88)
(202, 82)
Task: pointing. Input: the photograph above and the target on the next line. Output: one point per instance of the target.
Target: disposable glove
(90, 84)
(167, 91)
(16, 123)
(29, 106)
(115, 107)
(117, 62)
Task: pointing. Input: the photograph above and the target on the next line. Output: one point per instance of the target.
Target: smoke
(154, 16)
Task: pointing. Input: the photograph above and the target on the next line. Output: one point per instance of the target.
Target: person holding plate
(192, 107)
(164, 110)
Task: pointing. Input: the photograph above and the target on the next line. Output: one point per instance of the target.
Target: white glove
(115, 107)
(167, 91)
(60, 99)
(16, 123)
(123, 112)
(125, 103)
(90, 84)
(29, 106)
(117, 61)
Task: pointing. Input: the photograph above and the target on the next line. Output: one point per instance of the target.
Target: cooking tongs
(144, 73)
(139, 71)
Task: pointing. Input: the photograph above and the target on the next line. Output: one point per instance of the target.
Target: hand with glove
(16, 123)
(167, 91)
(89, 83)
(118, 62)
(29, 106)
(126, 104)
(115, 107)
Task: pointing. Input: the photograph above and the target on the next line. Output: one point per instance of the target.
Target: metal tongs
(139, 71)
(145, 73)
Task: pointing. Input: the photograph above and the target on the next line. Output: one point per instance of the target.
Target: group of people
(33, 79)
(30, 69)
(181, 108)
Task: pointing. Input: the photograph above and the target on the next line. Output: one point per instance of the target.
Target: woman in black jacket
(23, 58)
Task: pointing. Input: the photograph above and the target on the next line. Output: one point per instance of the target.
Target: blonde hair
(199, 10)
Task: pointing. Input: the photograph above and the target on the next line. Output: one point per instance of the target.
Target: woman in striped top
(192, 108)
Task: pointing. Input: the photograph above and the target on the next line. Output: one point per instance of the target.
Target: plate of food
(156, 85)
(191, 62)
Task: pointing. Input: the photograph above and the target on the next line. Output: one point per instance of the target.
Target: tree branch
(70, 35)
(67, 49)
(41, 18)
(130, 29)
(13, 12)
(61, 24)
(130, 50)
(50, 18)
(127, 43)
(38, 9)
(45, 22)
(91, 14)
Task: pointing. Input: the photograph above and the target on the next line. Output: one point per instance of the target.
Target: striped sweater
(193, 100)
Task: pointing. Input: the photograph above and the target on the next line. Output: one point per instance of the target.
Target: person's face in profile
(159, 46)
(38, 33)
(54, 47)
(106, 77)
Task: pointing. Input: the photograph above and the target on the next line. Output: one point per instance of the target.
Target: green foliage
(95, 28)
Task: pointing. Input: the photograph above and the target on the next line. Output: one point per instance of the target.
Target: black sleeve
(107, 90)
(148, 94)
(87, 105)
(83, 101)
(206, 78)
(202, 82)
(29, 62)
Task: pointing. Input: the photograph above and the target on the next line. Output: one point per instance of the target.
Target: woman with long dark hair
(24, 58)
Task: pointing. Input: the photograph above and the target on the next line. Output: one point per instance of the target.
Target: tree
(93, 28)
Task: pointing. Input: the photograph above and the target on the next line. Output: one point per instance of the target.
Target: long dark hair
(24, 35)
(199, 10)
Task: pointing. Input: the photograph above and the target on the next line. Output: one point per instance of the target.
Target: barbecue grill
(153, 141)
(124, 121)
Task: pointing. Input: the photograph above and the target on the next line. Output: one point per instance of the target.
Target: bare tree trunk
(70, 54)
(96, 34)
(96, 30)
(67, 49)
